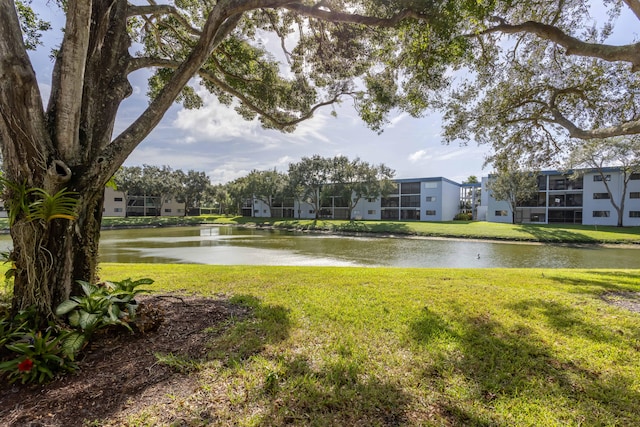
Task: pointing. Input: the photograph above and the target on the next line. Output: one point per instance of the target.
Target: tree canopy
(547, 76)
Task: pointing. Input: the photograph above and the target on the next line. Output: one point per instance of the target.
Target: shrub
(30, 354)
(463, 217)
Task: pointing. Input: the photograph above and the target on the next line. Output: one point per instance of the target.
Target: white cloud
(419, 155)
(397, 119)
(214, 121)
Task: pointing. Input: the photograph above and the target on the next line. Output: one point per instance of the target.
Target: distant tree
(128, 179)
(308, 178)
(353, 180)
(158, 184)
(513, 186)
(191, 188)
(218, 196)
(266, 186)
(621, 152)
(238, 193)
(471, 180)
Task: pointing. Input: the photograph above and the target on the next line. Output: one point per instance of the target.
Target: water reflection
(235, 246)
(230, 245)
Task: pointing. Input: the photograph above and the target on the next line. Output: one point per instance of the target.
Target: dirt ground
(119, 373)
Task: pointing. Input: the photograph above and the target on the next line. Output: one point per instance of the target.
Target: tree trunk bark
(49, 257)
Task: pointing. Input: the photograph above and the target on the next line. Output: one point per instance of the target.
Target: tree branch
(74, 57)
(25, 143)
(165, 9)
(634, 5)
(627, 53)
(350, 18)
(139, 63)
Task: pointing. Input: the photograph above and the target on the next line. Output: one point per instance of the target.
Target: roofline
(427, 179)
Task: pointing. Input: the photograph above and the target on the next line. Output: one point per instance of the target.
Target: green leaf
(74, 318)
(88, 321)
(73, 343)
(65, 307)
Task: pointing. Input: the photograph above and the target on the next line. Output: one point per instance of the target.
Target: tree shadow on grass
(339, 393)
(484, 364)
(235, 341)
(556, 235)
(291, 390)
(600, 281)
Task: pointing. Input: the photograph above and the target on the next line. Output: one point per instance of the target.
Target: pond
(233, 246)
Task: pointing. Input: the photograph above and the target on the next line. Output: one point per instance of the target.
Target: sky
(217, 141)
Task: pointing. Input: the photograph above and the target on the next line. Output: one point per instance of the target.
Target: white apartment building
(117, 204)
(416, 199)
(576, 199)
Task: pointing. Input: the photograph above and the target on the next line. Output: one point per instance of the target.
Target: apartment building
(415, 199)
(569, 198)
(117, 204)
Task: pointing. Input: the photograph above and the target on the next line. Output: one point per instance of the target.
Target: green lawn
(561, 233)
(385, 346)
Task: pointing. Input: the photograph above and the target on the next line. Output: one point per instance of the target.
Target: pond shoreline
(371, 234)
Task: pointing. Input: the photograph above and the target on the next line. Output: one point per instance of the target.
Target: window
(371, 212)
(431, 198)
(389, 202)
(410, 201)
(117, 199)
(167, 201)
(635, 176)
(256, 211)
(430, 213)
(634, 214)
(598, 178)
(634, 195)
(410, 188)
(430, 185)
(168, 210)
(311, 211)
(597, 196)
(370, 200)
(501, 213)
(601, 214)
(117, 209)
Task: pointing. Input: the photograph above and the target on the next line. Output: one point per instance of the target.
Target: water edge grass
(385, 346)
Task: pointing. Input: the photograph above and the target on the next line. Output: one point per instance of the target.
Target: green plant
(33, 355)
(38, 204)
(39, 356)
(102, 305)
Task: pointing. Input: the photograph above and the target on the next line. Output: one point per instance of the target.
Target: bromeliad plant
(32, 355)
(103, 305)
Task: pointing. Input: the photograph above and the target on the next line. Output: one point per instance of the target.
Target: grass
(385, 346)
(549, 233)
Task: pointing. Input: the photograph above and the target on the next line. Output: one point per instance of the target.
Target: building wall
(450, 200)
(597, 209)
(115, 205)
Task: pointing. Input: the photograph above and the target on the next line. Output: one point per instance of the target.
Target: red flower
(25, 365)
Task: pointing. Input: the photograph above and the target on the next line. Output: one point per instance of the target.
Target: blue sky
(216, 140)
